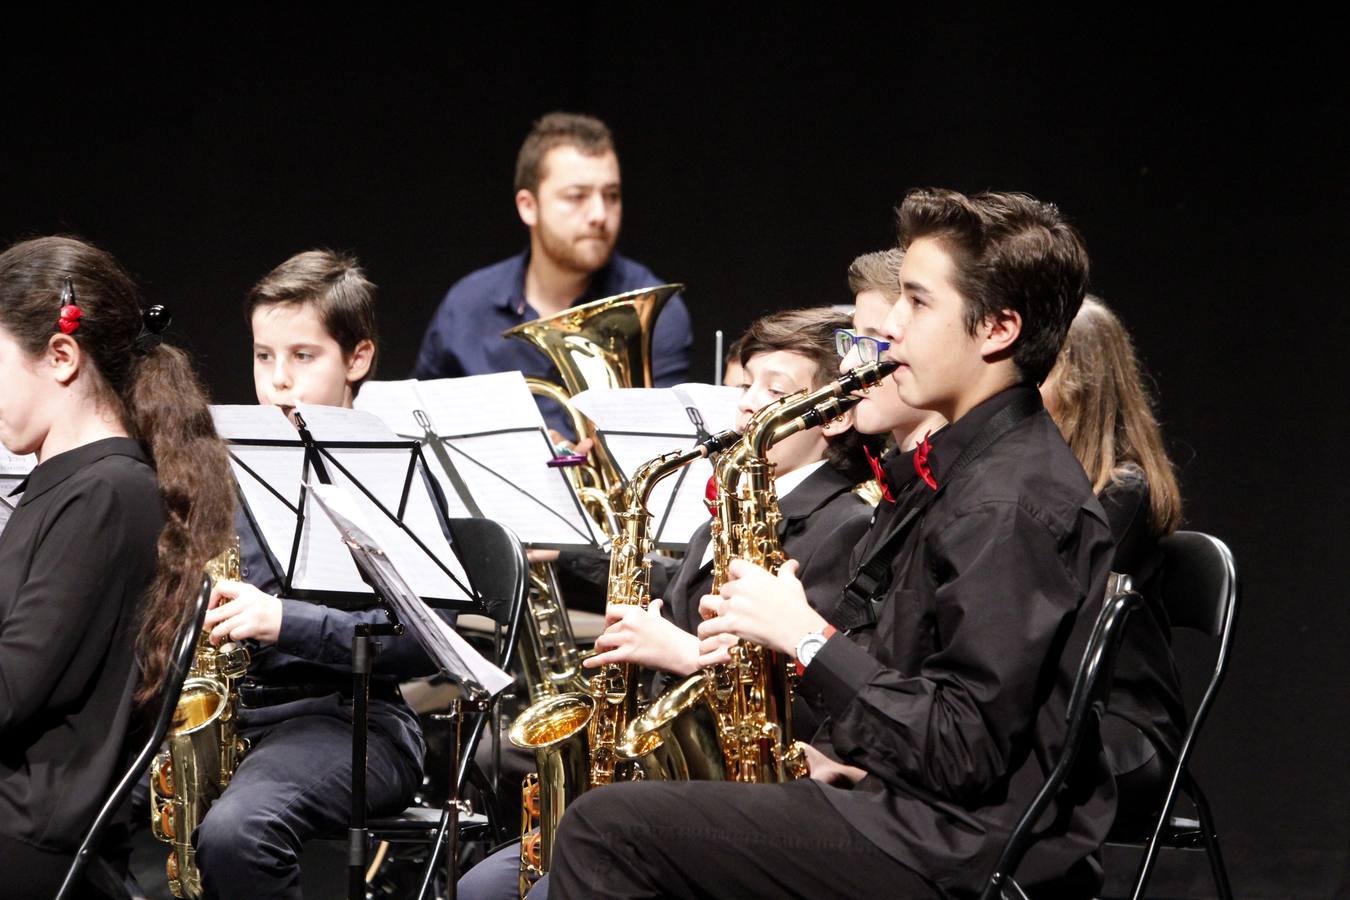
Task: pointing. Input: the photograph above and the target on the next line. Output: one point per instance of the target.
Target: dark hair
(1010, 251)
(879, 271)
(156, 395)
(558, 129)
(1104, 410)
(342, 296)
(810, 333)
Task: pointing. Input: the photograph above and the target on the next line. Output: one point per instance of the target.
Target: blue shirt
(465, 335)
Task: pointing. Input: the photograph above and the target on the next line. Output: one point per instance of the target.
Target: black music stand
(478, 681)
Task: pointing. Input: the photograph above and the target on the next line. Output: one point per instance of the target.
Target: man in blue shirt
(568, 194)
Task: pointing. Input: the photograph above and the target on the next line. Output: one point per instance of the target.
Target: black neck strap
(866, 591)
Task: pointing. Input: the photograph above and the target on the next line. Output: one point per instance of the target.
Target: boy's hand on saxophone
(755, 606)
(238, 611)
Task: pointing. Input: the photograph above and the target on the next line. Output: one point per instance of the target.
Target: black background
(1205, 162)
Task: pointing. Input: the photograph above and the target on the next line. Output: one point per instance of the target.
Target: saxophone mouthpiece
(866, 376)
(716, 443)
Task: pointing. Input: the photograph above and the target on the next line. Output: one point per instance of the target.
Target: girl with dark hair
(129, 499)
(1097, 397)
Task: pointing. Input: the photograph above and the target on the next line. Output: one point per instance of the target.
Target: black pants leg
(713, 839)
(294, 784)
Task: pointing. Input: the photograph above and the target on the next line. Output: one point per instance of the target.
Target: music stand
(478, 679)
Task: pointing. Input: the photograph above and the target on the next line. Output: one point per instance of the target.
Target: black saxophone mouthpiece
(886, 367)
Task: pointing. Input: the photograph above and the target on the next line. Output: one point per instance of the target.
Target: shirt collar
(514, 299)
(785, 484)
(948, 442)
(51, 472)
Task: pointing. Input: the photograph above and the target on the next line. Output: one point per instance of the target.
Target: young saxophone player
(815, 473)
(874, 279)
(314, 341)
(946, 688)
(104, 552)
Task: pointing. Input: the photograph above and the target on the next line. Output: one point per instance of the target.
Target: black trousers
(715, 839)
(294, 784)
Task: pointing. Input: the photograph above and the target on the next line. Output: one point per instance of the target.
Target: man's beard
(569, 255)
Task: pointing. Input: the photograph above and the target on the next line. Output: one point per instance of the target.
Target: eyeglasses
(869, 349)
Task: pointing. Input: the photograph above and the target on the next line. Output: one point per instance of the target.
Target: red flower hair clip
(921, 462)
(70, 313)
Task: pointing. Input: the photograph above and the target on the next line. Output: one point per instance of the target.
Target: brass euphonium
(204, 749)
(575, 735)
(734, 721)
(606, 343)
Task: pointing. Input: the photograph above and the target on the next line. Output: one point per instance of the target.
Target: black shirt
(75, 560)
(823, 520)
(954, 701)
(1145, 688)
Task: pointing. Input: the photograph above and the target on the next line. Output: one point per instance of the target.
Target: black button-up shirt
(75, 560)
(954, 701)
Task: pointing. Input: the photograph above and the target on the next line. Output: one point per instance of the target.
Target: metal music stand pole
(363, 659)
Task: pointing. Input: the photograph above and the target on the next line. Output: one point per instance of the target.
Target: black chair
(87, 858)
(499, 574)
(1087, 703)
(1200, 592)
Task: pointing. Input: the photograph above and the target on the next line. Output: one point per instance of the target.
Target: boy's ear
(527, 207)
(838, 426)
(1000, 331)
(358, 363)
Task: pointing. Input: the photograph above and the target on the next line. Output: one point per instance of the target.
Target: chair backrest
(1087, 703)
(180, 662)
(494, 560)
(1199, 582)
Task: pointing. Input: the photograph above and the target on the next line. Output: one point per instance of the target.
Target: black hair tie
(153, 322)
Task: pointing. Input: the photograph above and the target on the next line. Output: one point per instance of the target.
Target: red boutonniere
(710, 495)
(70, 319)
(921, 462)
(879, 473)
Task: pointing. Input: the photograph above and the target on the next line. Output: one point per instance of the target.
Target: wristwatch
(809, 646)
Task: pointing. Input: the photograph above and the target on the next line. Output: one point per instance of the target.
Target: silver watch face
(809, 646)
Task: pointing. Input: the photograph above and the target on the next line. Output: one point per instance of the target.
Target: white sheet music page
(270, 480)
(640, 424)
(395, 402)
(660, 411)
(13, 469)
(495, 439)
(674, 516)
(459, 660)
(384, 473)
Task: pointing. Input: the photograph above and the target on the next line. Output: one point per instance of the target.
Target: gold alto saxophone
(204, 749)
(575, 735)
(735, 721)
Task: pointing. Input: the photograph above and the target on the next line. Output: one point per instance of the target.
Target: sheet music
(267, 423)
(674, 516)
(13, 469)
(640, 424)
(394, 402)
(660, 410)
(322, 561)
(455, 656)
(495, 439)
